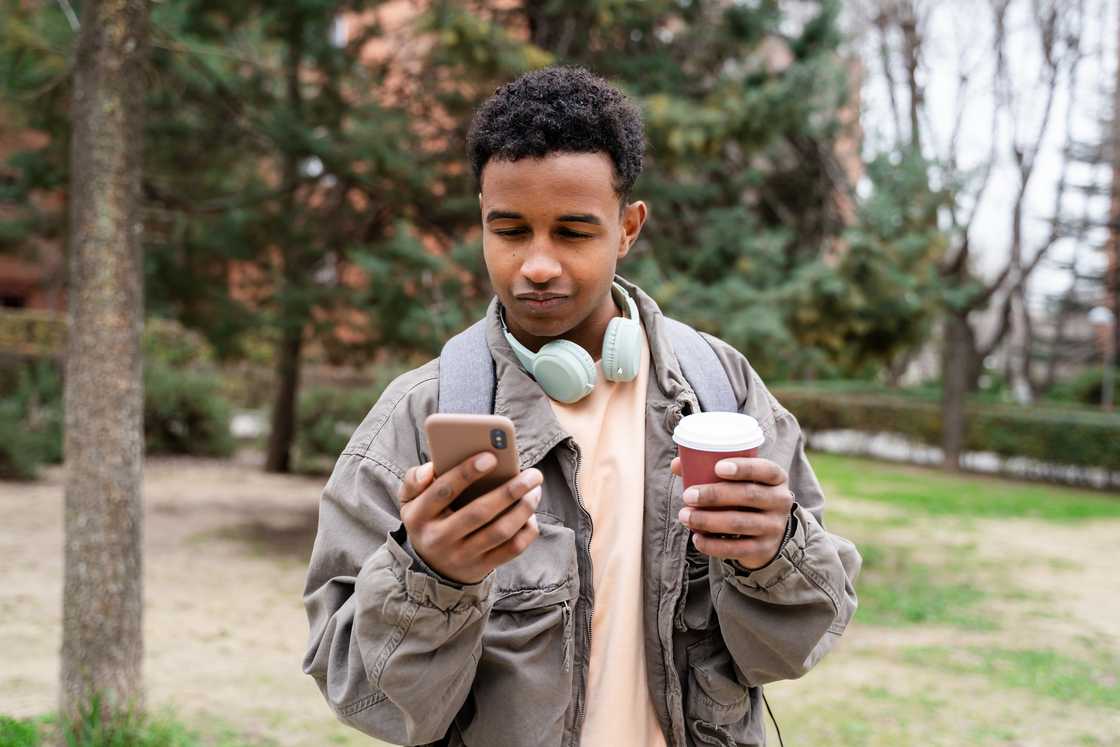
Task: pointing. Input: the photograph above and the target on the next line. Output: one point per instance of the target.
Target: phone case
(454, 438)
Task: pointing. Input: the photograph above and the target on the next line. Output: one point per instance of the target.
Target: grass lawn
(988, 615)
(937, 493)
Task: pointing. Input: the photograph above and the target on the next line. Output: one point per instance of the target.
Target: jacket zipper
(581, 698)
(675, 693)
(569, 637)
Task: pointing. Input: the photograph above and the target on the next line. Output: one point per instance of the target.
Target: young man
(587, 601)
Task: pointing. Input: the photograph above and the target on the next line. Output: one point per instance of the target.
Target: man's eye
(510, 232)
(570, 234)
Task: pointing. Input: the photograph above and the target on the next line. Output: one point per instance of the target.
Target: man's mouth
(541, 301)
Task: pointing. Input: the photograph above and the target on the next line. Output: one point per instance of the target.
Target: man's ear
(633, 218)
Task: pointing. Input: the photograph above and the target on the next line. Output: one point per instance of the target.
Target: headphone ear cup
(565, 371)
(622, 348)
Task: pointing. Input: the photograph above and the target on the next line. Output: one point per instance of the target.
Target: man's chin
(549, 328)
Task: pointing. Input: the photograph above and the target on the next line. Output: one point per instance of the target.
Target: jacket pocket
(523, 684)
(720, 710)
(694, 608)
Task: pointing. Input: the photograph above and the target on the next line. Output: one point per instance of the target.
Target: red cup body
(699, 467)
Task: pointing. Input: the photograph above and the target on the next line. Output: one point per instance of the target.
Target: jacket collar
(519, 397)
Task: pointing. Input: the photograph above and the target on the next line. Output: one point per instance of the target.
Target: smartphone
(452, 439)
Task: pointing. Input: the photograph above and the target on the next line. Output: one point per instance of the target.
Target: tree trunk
(102, 625)
(283, 429)
(957, 366)
(293, 314)
(1058, 343)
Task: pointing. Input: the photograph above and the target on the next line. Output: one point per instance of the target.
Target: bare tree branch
(884, 22)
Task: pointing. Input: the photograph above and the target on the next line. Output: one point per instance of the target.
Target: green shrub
(327, 419)
(328, 416)
(1050, 434)
(184, 413)
(184, 409)
(30, 419)
(1087, 388)
(169, 343)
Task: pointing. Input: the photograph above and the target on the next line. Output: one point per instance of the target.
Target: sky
(960, 34)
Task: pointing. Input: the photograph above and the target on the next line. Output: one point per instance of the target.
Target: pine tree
(741, 104)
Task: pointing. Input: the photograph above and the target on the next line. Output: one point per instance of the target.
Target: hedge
(1046, 433)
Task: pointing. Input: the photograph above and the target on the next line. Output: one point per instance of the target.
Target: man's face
(552, 237)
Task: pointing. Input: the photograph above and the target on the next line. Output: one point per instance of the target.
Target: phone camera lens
(498, 438)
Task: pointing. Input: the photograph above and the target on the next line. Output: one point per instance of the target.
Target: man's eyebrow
(569, 218)
(502, 214)
(580, 218)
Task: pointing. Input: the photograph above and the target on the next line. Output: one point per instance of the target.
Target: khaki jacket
(403, 656)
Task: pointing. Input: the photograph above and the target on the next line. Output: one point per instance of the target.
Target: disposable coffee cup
(708, 437)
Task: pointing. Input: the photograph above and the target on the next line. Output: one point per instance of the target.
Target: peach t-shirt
(609, 426)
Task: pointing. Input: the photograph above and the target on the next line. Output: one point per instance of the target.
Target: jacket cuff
(427, 587)
(790, 552)
(418, 564)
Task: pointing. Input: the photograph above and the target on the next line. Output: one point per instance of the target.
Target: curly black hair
(559, 110)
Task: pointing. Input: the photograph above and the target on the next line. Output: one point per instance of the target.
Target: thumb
(415, 481)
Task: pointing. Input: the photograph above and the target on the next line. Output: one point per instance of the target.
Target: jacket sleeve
(392, 649)
(779, 620)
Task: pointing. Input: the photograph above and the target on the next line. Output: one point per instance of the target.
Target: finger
(486, 508)
(506, 526)
(416, 479)
(514, 546)
(675, 466)
(725, 521)
(776, 498)
(751, 469)
(720, 547)
(446, 488)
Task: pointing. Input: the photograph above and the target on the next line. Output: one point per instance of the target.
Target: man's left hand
(753, 501)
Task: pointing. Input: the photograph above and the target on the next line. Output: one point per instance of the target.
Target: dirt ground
(226, 549)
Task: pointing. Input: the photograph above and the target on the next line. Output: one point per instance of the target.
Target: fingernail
(424, 473)
(533, 522)
(725, 469)
(692, 496)
(534, 478)
(683, 515)
(534, 496)
(486, 461)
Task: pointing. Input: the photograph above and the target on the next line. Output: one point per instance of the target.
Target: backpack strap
(701, 368)
(466, 371)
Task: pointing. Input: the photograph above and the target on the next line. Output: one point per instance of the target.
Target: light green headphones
(565, 370)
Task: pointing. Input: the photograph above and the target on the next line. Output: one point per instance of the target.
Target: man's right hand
(465, 545)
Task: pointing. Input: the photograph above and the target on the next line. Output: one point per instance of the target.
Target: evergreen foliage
(303, 192)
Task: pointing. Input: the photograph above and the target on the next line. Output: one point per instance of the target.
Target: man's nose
(540, 266)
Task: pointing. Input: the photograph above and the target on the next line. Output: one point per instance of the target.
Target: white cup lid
(718, 431)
